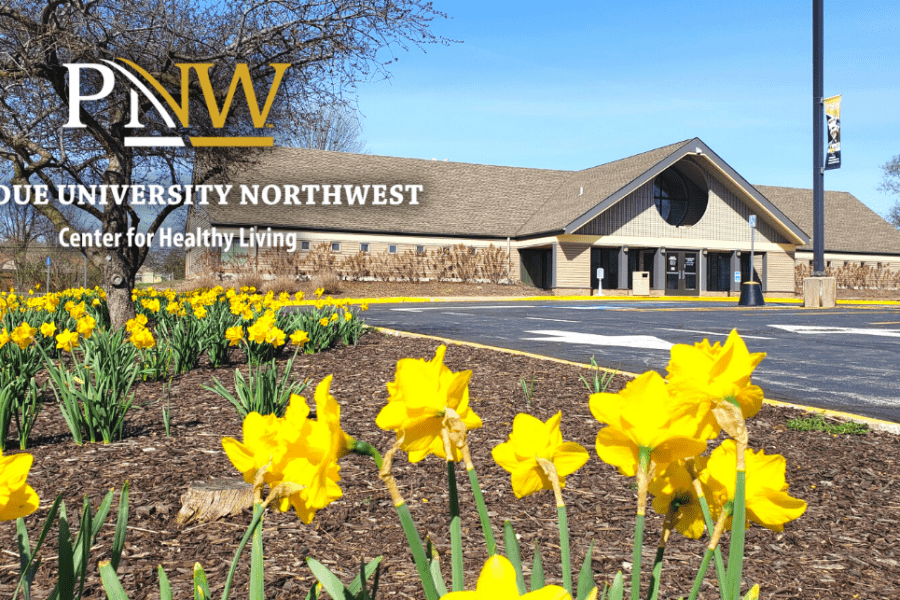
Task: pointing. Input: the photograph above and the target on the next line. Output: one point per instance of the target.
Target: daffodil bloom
(295, 449)
(674, 486)
(4, 337)
(348, 316)
(151, 305)
(324, 321)
(706, 375)
(259, 330)
(299, 338)
(142, 338)
(135, 323)
(17, 498)
(234, 335)
(199, 312)
(767, 500)
(23, 335)
(76, 311)
(498, 582)
(173, 308)
(530, 440)
(85, 326)
(67, 340)
(48, 329)
(319, 292)
(275, 336)
(644, 415)
(421, 395)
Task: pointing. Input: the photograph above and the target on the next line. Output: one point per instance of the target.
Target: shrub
(329, 281)
(250, 280)
(493, 262)
(356, 266)
(287, 284)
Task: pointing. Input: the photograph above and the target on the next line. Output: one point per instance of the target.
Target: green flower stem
(367, 449)
(564, 547)
(418, 551)
(257, 519)
(720, 564)
(668, 523)
(643, 481)
(456, 558)
(736, 545)
(479, 502)
(700, 574)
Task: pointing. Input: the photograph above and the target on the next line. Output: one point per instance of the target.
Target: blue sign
(48, 261)
(737, 276)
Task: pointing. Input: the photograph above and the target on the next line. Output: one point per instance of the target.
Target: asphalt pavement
(842, 359)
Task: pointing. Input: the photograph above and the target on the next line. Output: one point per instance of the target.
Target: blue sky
(570, 85)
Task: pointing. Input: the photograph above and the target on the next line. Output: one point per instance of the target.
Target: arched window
(680, 201)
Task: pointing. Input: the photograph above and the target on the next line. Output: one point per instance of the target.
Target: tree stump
(210, 500)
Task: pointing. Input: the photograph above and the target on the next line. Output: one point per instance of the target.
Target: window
(420, 250)
(304, 245)
(364, 248)
(335, 246)
(678, 199)
(392, 249)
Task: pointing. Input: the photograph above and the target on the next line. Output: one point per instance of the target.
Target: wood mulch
(844, 546)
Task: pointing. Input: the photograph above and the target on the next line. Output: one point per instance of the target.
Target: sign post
(47, 291)
(752, 221)
(600, 281)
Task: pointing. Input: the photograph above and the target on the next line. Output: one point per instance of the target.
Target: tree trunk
(118, 280)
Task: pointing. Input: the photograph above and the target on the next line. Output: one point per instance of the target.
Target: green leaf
(512, 553)
(165, 589)
(736, 545)
(618, 587)
(25, 555)
(586, 575)
(456, 550)
(33, 563)
(257, 583)
(330, 583)
(83, 546)
(537, 569)
(201, 585)
(66, 586)
(435, 564)
(357, 584)
(121, 528)
(111, 583)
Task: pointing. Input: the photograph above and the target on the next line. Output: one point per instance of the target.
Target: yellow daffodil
(48, 329)
(364, 306)
(4, 337)
(319, 292)
(136, 323)
(706, 375)
(276, 337)
(96, 302)
(295, 449)
(324, 321)
(334, 316)
(17, 498)
(173, 308)
(530, 440)
(348, 316)
(298, 296)
(767, 500)
(67, 340)
(151, 305)
(498, 582)
(674, 486)
(85, 326)
(299, 338)
(199, 312)
(23, 335)
(643, 415)
(76, 311)
(234, 335)
(421, 396)
(142, 338)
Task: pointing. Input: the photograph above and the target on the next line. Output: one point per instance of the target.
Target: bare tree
(335, 127)
(317, 50)
(890, 183)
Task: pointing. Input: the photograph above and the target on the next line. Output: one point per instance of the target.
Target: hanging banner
(833, 118)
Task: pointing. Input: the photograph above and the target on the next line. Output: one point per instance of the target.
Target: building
(675, 217)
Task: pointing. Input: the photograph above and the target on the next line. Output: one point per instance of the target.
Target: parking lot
(842, 359)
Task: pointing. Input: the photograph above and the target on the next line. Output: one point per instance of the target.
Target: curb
(874, 424)
(724, 300)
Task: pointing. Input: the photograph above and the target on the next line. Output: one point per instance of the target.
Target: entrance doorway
(537, 268)
(681, 273)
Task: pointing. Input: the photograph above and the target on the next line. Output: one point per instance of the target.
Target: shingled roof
(850, 225)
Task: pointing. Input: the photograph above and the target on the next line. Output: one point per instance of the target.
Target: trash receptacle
(640, 283)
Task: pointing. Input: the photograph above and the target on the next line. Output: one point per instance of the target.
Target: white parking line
(718, 334)
(421, 308)
(813, 329)
(557, 320)
(592, 339)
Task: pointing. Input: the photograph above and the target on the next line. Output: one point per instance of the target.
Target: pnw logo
(175, 112)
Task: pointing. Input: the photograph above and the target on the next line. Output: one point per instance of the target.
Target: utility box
(640, 283)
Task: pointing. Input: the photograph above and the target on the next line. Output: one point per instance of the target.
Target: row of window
(392, 248)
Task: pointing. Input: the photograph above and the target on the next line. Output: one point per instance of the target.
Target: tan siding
(780, 272)
(573, 266)
(725, 218)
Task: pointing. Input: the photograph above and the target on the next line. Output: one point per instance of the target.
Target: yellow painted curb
(875, 424)
(397, 333)
(598, 299)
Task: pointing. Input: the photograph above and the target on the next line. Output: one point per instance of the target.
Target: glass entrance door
(682, 277)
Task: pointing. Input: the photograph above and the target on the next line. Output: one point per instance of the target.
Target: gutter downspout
(508, 261)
